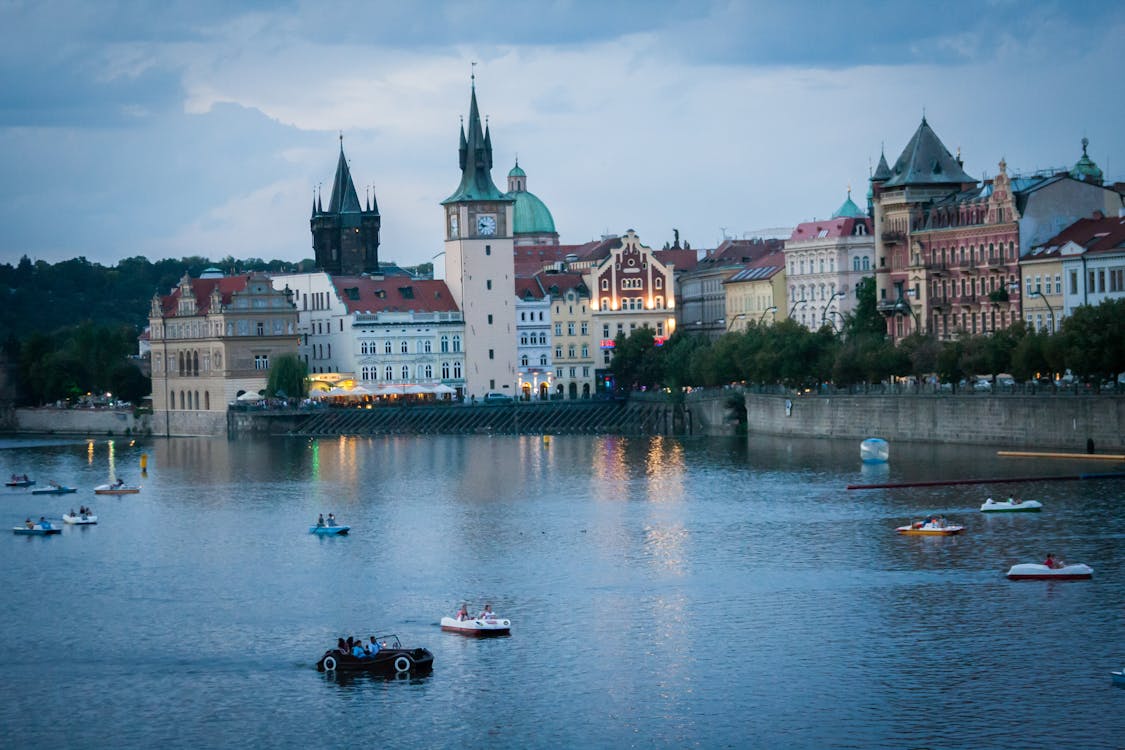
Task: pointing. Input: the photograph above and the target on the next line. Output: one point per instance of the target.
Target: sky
(204, 127)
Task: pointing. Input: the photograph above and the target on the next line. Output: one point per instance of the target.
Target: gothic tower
(480, 264)
(345, 237)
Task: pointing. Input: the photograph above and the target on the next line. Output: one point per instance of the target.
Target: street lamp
(771, 308)
(793, 309)
(1050, 310)
(824, 312)
(736, 317)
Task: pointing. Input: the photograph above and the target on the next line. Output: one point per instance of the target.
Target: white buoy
(874, 451)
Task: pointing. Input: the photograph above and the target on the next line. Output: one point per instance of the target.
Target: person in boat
(357, 650)
(373, 647)
(463, 613)
(331, 520)
(487, 613)
(341, 645)
(320, 521)
(74, 515)
(44, 523)
(1011, 499)
(1051, 562)
(28, 523)
(118, 483)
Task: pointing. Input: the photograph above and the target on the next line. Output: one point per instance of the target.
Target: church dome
(531, 215)
(849, 210)
(1086, 170)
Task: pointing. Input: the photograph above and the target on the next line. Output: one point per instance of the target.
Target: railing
(893, 236)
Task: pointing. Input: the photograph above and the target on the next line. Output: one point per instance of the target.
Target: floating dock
(1082, 456)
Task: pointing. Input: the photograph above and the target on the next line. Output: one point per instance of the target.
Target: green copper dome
(849, 210)
(1086, 170)
(517, 171)
(531, 215)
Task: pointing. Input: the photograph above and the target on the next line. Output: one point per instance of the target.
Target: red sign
(607, 343)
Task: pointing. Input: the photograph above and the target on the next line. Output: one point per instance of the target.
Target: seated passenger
(341, 645)
(320, 521)
(1050, 562)
(29, 524)
(331, 520)
(357, 650)
(373, 647)
(44, 523)
(119, 483)
(487, 613)
(463, 613)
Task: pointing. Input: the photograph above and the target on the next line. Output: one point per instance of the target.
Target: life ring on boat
(403, 663)
(329, 664)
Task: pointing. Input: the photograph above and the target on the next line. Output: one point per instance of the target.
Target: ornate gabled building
(345, 236)
(949, 249)
(213, 339)
(925, 171)
(479, 264)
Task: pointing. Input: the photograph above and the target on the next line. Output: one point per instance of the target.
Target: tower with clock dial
(480, 265)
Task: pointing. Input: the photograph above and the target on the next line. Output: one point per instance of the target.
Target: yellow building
(756, 294)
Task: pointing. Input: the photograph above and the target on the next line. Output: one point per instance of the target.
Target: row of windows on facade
(976, 254)
(632, 327)
(446, 344)
(633, 283)
(859, 263)
(801, 293)
(970, 287)
(570, 328)
(573, 372)
(198, 329)
(970, 322)
(189, 400)
(190, 364)
(634, 303)
(1098, 281)
(426, 372)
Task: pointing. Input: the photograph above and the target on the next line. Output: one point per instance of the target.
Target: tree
(1093, 340)
(289, 377)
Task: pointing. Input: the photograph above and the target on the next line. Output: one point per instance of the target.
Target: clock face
(486, 225)
(453, 225)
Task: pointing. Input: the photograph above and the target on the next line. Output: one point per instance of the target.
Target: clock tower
(480, 265)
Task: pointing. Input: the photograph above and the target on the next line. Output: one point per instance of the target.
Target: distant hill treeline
(41, 297)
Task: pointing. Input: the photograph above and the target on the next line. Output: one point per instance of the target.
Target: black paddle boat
(390, 661)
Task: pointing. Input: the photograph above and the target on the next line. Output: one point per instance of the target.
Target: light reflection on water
(702, 593)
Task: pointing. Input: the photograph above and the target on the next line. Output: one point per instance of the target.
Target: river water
(702, 593)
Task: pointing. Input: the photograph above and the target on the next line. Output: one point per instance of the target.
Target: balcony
(997, 263)
(967, 300)
(939, 303)
(892, 237)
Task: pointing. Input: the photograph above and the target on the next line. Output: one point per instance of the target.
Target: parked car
(497, 398)
(982, 385)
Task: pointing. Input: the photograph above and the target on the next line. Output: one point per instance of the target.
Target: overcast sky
(203, 127)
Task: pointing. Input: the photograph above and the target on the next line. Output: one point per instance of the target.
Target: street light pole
(824, 312)
(771, 308)
(1050, 310)
(794, 307)
(732, 320)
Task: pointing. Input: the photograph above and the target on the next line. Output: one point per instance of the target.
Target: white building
(533, 326)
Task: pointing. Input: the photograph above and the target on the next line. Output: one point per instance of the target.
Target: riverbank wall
(52, 421)
(1001, 421)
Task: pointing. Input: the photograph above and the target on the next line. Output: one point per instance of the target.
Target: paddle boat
(54, 489)
(480, 626)
(80, 519)
(1039, 572)
(932, 526)
(329, 530)
(42, 528)
(391, 660)
(19, 481)
(1118, 677)
(118, 488)
(1011, 506)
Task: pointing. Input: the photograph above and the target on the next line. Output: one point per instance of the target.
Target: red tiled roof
(528, 286)
(563, 282)
(201, 288)
(1096, 235)
(841, 227)
(362, 294)
(681, 260)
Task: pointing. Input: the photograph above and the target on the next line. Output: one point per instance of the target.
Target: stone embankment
(52, 421)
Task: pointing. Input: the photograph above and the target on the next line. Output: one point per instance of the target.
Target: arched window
(457, 370)
(195, 364)
(542, 360)
(429, 370)
(404, 347)
(445, 370)
(523, 361)
(866, 263)
(207, 400)
(195, 401)
(386, 347)
(405, 372)
(172, 400)
(855, 263)
(389, 373)
(456, 343)
(427, 346)
(444, 343)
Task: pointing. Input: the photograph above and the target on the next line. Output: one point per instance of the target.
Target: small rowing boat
(1039, 572)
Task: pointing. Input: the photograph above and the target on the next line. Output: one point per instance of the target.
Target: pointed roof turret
(1085, 169)
(476, 161)
(344, 198)
(926, 161)
(849, 210)
(882, 172)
